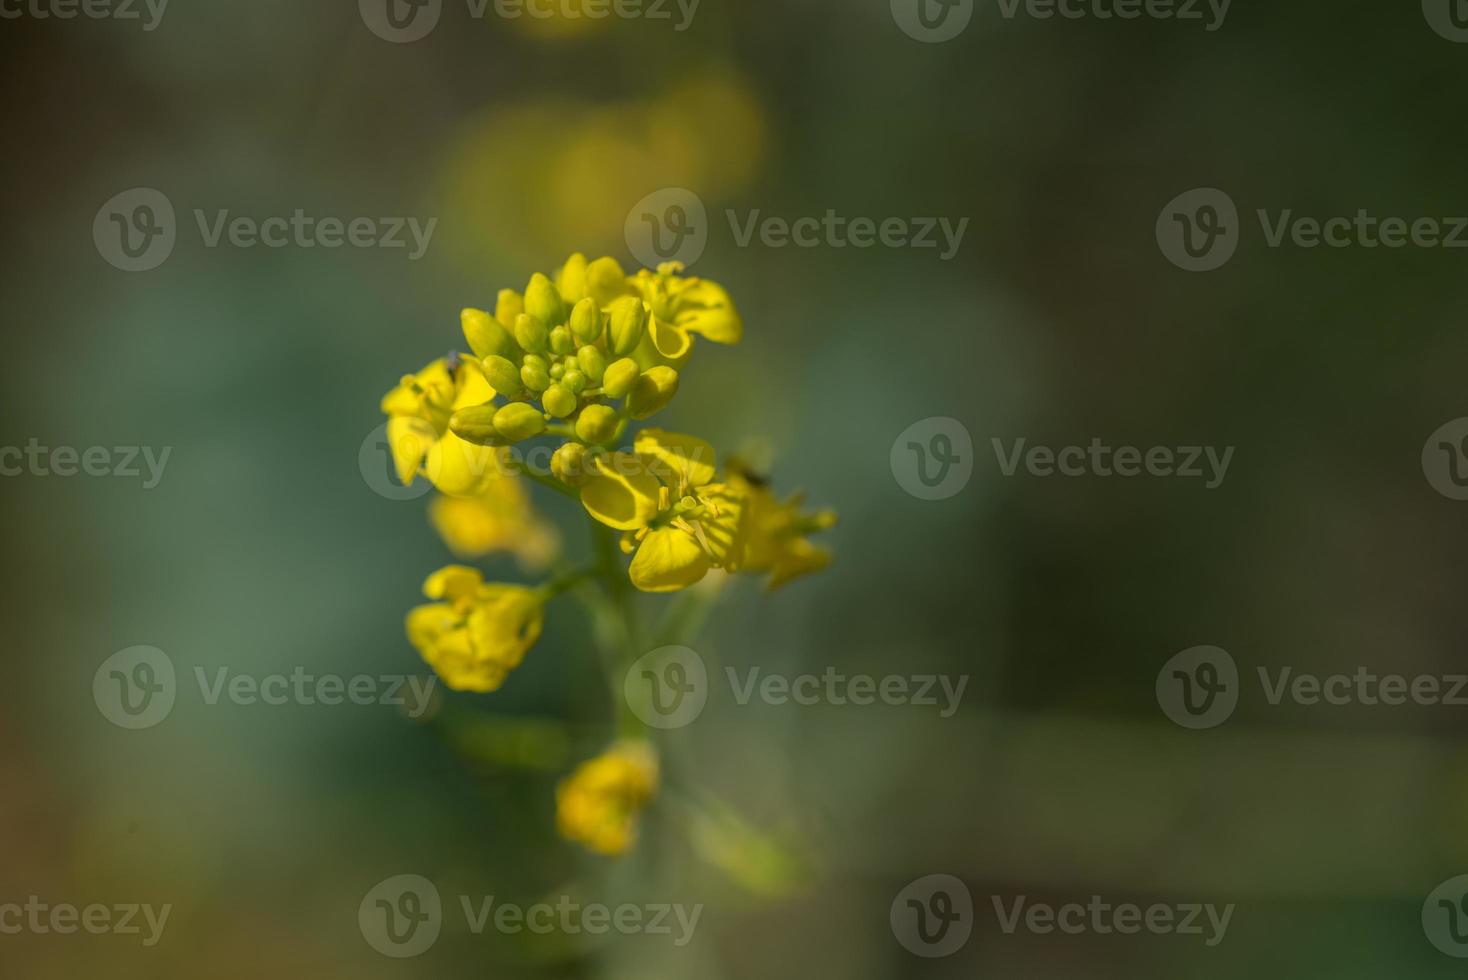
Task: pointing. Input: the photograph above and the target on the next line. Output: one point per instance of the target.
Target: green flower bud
(620, 376)
(574, 381)
(534, 377)
(530, 333)
(535, 359)
(593, 363)
(557, 370)
(502, 375)
(561, 341)
(484, 334)
(596, 424)
(543, 301)
(569, 464)
(558, 400)
(476, 425)
(586, 321)
(652, 392)
(627, 324)
(518, 420)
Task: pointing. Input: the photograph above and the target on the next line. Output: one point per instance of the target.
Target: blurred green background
(1059, 320)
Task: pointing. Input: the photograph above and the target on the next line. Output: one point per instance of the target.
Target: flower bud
(530, 333)
(569, 464)
(561, 341)
(586, 321)
(502, 375)
(509, 305)
(557, 370)
(628, 321)
(534, 376)
(558, 400)
(596, 424)
(484, 334)
(543, 301)
(476, 425)
(652, 392)
(573, 380)
(593, 363)
(518, 420)
(619, 377)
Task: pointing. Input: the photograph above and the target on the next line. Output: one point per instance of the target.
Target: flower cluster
(573, 363)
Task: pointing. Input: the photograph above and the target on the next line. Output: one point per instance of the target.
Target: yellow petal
(409, 439)
(473, 389)
(605, 281)
(460, 468)
(705, 308)
(620, 492)
(670, 341)
(680, 461)
(453, 582)
(723, 524)
(668, 560)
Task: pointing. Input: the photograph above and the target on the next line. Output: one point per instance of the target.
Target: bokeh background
(1059, 778)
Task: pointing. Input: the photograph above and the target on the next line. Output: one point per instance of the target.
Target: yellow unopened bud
(571, 280)
(530, 333)
(476, 425)
(628, 321)
(560, 341)
(568, 464)
(605, 279)
(507, 306)
(543, 301)
(558, 400)
(502, 375)
(619, 377)
(518, 420)
(586, 321)
(652, 392)
(534, 375)
(484, 333)
(593, 363)
(574, 381)
(597, 424)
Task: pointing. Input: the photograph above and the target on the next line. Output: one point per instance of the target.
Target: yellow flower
(777, 540)
(418, 412)
(682, 306)
(663, 497)
(597, 805)
(479, 632)
(500, 519)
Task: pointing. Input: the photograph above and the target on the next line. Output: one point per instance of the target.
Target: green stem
(624, 614)
(566, 581)
(547, 481)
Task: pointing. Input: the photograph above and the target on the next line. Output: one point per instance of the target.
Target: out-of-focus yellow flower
(418, 412)
(501, 519)
(527, 178)
(597, 805)
(777, 537)
(662, 496)
(479, 631)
